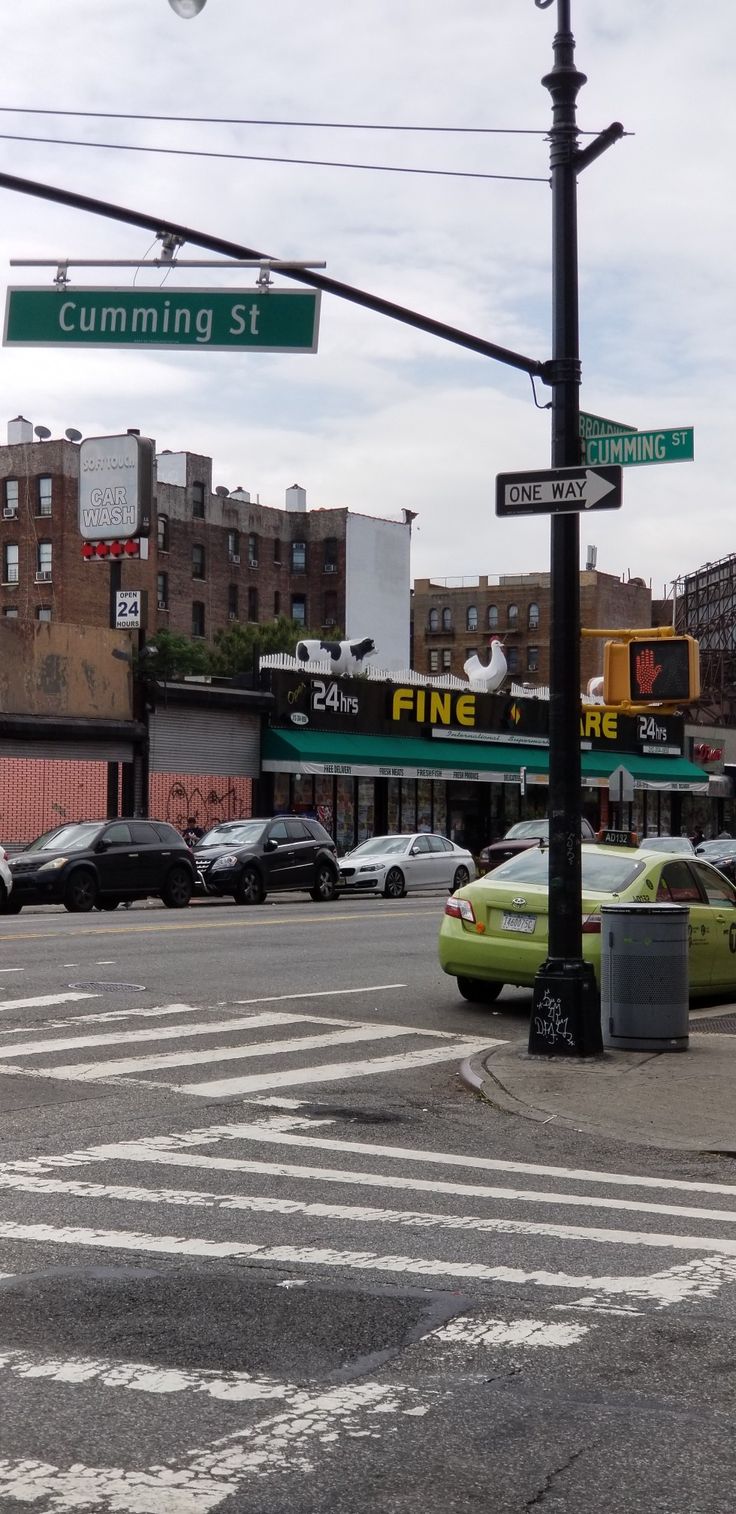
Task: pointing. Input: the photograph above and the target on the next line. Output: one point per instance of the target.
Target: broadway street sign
(631, 448)
(558, 489)
(597, 425)
(218, 320)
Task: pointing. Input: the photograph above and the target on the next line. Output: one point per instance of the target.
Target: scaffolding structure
(705, 607)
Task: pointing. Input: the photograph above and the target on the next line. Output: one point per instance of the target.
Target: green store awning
(351, 755)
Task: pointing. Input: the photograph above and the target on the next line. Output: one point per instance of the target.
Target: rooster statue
(491, 677)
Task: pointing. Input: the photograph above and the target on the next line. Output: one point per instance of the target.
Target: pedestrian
(697, 836)
(192, 832)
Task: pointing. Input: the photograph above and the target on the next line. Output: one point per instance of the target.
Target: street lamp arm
(600, 144)
(163, 228)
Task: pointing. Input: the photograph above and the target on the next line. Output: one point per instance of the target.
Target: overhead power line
(120, 115)
(246, 157)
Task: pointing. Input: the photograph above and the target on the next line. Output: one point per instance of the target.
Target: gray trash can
(644, 976)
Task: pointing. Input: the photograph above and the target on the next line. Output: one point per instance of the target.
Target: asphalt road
(261, 1250)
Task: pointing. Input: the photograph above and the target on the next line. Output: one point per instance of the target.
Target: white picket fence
(391, 675)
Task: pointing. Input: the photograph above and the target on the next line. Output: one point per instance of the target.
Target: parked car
(391, 865)
(495, 931)
(103, 863)
(6, 881)
(252, 858)
(720, 854)
(520, 836)
(668, 844)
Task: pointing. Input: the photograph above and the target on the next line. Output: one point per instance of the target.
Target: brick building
(453, 619)
(213, 556)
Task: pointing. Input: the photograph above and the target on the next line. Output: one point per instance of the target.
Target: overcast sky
(384, 417)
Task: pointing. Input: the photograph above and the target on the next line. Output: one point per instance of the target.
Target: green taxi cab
(494, 931)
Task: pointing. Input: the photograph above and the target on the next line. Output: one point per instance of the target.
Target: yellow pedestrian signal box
(651, 670)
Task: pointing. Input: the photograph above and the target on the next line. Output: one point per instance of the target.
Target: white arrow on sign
(584, 491)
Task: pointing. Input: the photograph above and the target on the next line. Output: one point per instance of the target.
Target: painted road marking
(141, 1377)
(330, 1072)
(468, 1330)
(46, 999)
(322, 918)
(178, 1032)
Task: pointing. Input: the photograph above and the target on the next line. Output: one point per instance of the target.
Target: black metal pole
(565, 1019)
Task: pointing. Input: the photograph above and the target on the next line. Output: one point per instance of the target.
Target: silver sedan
(391, 865)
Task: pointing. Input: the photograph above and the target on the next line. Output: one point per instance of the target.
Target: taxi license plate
(522, 923)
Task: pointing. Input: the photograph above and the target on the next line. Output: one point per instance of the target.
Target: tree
(237, 649)
(168, 655)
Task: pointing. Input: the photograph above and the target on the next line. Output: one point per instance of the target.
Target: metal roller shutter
(223, 742)
(70, 751)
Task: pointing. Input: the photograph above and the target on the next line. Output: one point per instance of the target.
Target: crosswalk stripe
(18, 1182)
(42, 1000)
(143, 1243)
(333, 1072)
(276, 1131)
(142, 1377)
(132, 1066)
(468, 1330)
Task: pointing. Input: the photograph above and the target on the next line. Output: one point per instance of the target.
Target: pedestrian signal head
(651, 670)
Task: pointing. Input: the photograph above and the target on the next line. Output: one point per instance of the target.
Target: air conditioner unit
(330, 567)
(234, 557)
(44, 577)
(10, 512)
(252, 562)
(162, 604)
(231, 615)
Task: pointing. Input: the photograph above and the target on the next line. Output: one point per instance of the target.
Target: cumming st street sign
(632, 448)
(218, 320)
(556, 490)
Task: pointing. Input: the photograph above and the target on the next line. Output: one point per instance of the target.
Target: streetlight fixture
(187, 8)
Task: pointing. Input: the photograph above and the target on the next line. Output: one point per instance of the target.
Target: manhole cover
(102, 988)
(720, 1025)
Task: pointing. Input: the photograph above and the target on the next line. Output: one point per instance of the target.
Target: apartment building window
(277, 550)
(533, 617)
(252, 550)
(471, 619)
(10, 494)
(198, 560)
(10, 612)
(198, 501)
(253, 603)
(162, 533)
(433, 621)
(10, 562)
(276, 602)
(492, 617)
(298, 557)
(197, 617)
(532, 659)
(447, 620)
(513, 659)
(162, 590)
(43, 612)
(44, 496)
(330, 563)
(512, 616)
(329, 619)
(232, 602)
(233, 546)
(434, 662)
(447, 658)
(44, 556)
(299, 609)
(471, 652)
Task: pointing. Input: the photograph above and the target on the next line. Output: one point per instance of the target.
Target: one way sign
(558, 489)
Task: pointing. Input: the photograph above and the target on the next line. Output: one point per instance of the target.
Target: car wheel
(394, 887)
(107, 904)
(462, 876)
(325, 885)
(478, 991)
(178, 888)
(80, 895)
(250, 887)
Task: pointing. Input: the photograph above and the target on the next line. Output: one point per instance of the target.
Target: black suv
(250, 858)
(101, 863)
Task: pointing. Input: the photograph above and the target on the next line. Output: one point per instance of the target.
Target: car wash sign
(115, 486)
(216, 320)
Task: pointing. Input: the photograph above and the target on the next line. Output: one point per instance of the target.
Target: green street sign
(597, 425)
(630, 449)
(215, 320)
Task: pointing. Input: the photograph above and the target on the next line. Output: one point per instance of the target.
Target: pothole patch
(109, 988)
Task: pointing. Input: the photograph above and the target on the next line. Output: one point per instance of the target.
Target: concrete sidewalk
(676, 1100)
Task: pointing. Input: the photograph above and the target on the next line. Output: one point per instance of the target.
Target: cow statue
(492, 675)
(343, 656)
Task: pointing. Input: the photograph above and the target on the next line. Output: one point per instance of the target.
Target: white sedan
(391, 865)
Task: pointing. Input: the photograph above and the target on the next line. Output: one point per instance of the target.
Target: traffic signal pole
(565, 1018)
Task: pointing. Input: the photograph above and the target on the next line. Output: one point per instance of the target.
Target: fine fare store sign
(359, 706)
